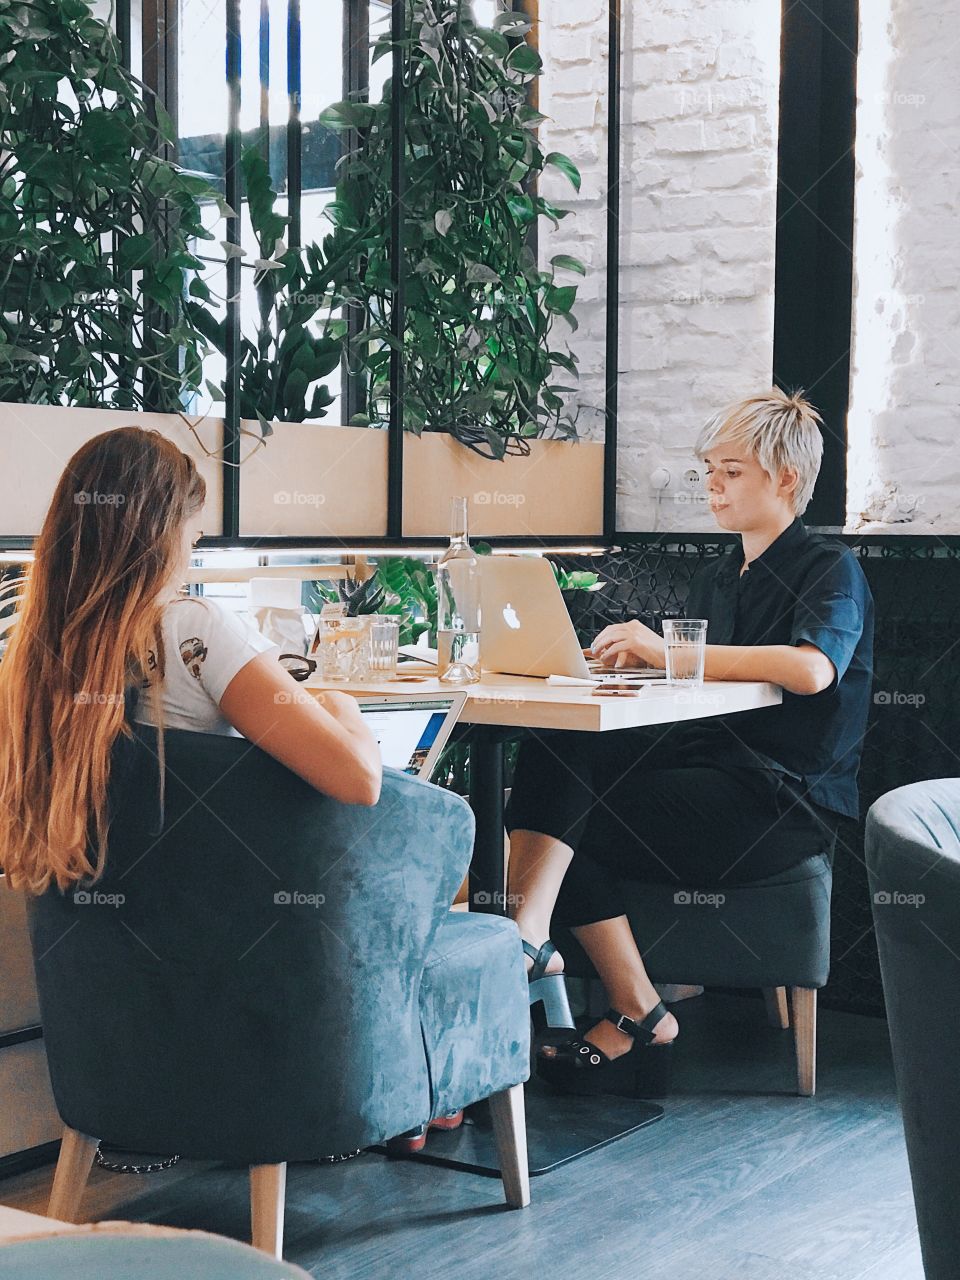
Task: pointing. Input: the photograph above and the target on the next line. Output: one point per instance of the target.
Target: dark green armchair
(264, 974)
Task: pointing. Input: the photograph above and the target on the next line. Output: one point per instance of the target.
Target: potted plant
(97, 231)
(485, 362)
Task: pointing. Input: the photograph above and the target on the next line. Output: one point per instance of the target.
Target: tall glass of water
(458, 604)
(685, 643)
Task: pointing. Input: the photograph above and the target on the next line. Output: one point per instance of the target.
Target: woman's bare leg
(538, 864)
(613, 952)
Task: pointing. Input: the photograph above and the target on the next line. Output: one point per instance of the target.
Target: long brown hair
(90, 614)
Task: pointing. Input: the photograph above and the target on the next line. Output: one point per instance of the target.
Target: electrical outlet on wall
(677, 482)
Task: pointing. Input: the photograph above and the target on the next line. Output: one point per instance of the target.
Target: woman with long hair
(102, 625)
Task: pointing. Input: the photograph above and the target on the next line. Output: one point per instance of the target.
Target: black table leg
(487, 870)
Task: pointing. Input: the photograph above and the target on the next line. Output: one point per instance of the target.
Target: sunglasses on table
(297, 665)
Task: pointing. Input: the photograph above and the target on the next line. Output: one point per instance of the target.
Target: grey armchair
(913, 866)
(267, 975)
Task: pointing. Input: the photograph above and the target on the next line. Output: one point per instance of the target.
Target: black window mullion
(294, 127)
(612, 318)
(356, 88)
(233, 192)
(815, 205)
(124, 35)
(264, 72)
(397, 272)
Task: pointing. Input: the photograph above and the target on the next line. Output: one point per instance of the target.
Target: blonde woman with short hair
(706, 803)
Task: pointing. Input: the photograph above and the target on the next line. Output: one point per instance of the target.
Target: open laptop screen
(411, 734)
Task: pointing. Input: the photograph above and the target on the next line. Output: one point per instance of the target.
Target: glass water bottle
(458, 604)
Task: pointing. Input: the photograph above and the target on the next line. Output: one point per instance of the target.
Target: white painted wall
(905, 409)
(698, 189)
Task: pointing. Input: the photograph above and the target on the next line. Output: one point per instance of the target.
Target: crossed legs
(538, 864)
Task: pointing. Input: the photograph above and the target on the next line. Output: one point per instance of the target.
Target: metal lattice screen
(914, 727)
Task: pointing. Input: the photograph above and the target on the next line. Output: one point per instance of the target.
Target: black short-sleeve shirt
(805, 588)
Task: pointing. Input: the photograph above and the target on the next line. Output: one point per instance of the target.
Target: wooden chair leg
(73, 1170)
(268, 1187)
(804, 1000)
(510, 1134)
(778, 1011)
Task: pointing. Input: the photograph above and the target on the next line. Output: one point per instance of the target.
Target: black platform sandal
(549, 1006)
(643, 1072)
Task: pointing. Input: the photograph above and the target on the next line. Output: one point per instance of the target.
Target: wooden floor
(741, 1180)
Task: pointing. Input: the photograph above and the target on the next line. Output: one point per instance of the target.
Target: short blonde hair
(779, 430)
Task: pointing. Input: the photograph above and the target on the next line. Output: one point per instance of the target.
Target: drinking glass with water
(685, 643)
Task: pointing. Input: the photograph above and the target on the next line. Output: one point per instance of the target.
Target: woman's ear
(789, 479)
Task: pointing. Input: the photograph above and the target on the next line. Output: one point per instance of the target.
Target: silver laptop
(412, 730)
(525, 627)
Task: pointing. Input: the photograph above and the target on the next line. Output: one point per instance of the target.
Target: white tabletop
(528, 702)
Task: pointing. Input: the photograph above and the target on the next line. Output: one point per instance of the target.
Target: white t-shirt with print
(204, 646)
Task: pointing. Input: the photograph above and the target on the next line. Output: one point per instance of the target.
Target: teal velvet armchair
(264, 974)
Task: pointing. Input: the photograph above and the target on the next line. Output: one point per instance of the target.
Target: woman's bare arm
(321, 737)
(798, 668)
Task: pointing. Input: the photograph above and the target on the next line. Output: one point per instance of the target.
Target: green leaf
(564, 262)
(135, 253)
(349, 115)
(560, 299)
(512, 24)
(525, 60)
(565, 165)
(477, 273)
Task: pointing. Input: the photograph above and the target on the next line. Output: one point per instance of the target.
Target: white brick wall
(905, 408)
(698, 175)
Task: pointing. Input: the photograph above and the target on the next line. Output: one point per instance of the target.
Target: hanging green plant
(96, 228)
(482, 358)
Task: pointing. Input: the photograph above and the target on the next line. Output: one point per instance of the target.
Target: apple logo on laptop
(510, 616)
